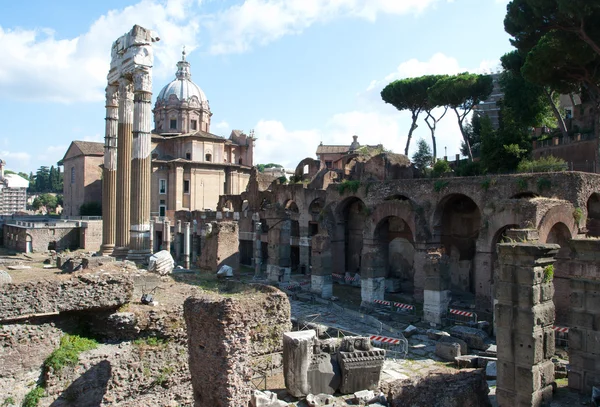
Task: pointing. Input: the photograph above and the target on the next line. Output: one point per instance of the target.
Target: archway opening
(354, 215)
(593, 219)
(460, 225)
(291, 206)
(560, 235)
(396, 242)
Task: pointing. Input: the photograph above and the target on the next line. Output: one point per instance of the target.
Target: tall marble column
(124, 167)
(109, 172)
(141, 167)
(187, 234)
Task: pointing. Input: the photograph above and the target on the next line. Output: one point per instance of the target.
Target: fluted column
(109, 172)
(141, 166)
(124, 166)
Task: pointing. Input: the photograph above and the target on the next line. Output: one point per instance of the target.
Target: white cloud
(276, 144)
(16, 161)
(39, 66)
(240, 27)
(97, 138)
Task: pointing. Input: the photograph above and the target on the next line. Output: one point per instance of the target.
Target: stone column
(525, 319)
(141, 167)
(178, 240)
(109, 172)
(257, 249)
(372, 281)
(279, 263)
(420, 261)
(297, 356)
(186, 244)
(195, 242)
(320, 278)
(166, 236)
(124, 167)
(436, 293)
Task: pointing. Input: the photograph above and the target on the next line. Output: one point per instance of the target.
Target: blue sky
(298, 72)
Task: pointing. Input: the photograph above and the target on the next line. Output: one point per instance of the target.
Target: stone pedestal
(297, 356)
(436, 293)
(109, 172)
(321, 282)
(525, 319)
(372, 289)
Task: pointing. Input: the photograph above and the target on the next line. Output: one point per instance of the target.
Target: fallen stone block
(467, 361)
(436, 334)
(491, 370)
(18, 267)
(265, 399)
(5, 278)
(364, 396)
(464, 349)
(161, 262)
(475, 338)
(319, 400)
(297, 354)
(97, 261)
(410, 331)
(447, 350)
(225, 271)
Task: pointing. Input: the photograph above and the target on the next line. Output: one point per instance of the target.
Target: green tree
(6, 172)
(49, 201)
(422, 158)
(408, 94)
(91, 209)
(23, 175)
(461, 93)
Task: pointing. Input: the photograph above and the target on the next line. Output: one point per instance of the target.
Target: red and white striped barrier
(561, 329)
(382, 302)
(304, 283)
(348, 278)
(337, 275)
(461, 313)
(407, 307)
(385, 339)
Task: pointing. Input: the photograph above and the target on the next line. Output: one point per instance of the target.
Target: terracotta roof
(198, 133)
(90, 147)
(322, 149)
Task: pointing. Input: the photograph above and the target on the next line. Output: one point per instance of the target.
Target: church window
(162, 186)
(186, 186)
(173, 124)
(162, 208)
(188, 156)
(328, 164)
(240, 161)
(208, 157)
(194, 124)
(72, 175)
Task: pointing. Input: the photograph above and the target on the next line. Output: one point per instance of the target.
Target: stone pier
(436, 293)
(187, 236)
(109, 172)
(166, 245)
(525, 319)
(320, 278)
(304, 243)
(141, 170)
(279, 262)
(372, 285)
(257, 249)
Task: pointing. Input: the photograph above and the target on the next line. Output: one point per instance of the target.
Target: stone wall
(225, 334)
(79, 293)
(90, 235)
(584, 331)
(220, 246)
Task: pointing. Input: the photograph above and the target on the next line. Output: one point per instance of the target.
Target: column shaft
(109, 172)
(124, 167)
(141, 168)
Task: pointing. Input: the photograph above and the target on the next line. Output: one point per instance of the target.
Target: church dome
(182, 86)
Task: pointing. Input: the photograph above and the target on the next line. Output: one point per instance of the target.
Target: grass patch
(9, 401)
(485, 184)
(543, 183)
(522, 184)
(577, 215)
(151, 341)
(32, 398)
(67, 354)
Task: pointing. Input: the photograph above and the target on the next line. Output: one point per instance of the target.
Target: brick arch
(495, 223)
(386, 209)
(465, 240)
(558, 214)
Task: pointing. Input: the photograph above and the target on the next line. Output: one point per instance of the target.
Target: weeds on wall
(548, 273)
(33, 398)
(485, 184)
(522, 184)
(577, 215)
(67, 354)
(543, 184)
(347, 185)
(440, 184)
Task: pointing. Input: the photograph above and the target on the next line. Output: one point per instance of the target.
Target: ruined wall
(584, 331)
(90, 236)
(220, 246)
(82, 292)
(225, 333)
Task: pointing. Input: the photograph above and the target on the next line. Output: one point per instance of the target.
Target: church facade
(191, 166)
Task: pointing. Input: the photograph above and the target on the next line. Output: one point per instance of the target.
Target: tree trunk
(583, 35)
(462, 131)
(413, 127)
(561, 121)
(433, 127)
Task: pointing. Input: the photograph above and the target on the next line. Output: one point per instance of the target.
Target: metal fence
(395, 307)
(561, 336)
(457, 316)
(395, 348)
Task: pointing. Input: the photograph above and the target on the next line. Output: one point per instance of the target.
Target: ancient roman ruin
(355, 284)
